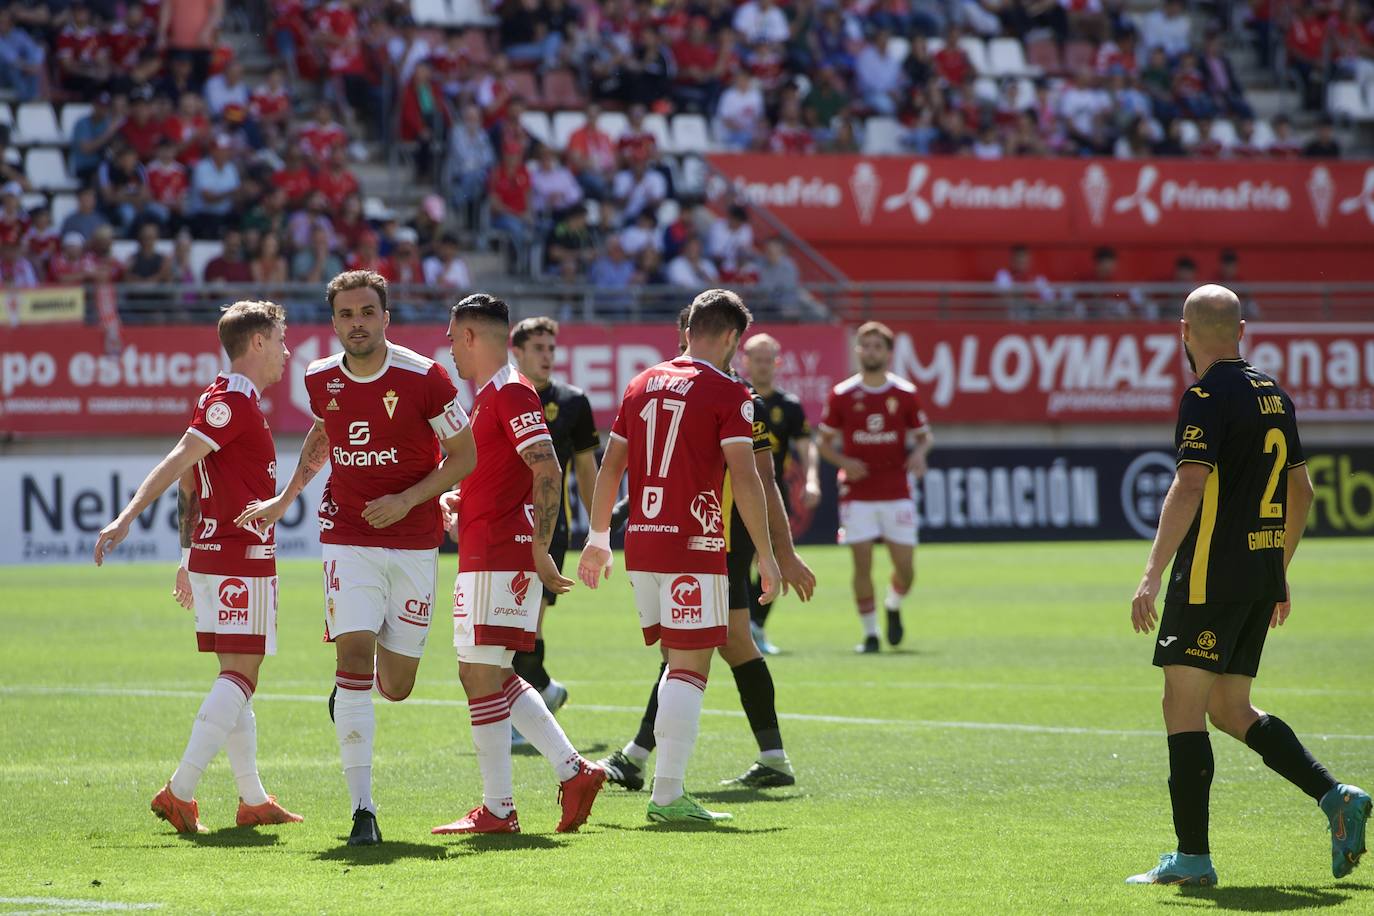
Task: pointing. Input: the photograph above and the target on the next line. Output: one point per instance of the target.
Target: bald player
(1231, 522)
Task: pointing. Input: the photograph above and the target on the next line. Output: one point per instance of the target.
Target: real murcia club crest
(390, 403)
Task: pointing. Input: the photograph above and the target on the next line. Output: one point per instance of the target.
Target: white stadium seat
(565, 124)
(1224, 132)
(63, 205)
(36, 125)
(1343, 99)
(977, 51)
(123, 249)
(882, 136)
(657, 125)
(6, 116)
(537, 123)
(1188, 134)
(691, 134)
(695, 171)
(898, 48)
(613, 124)
(203, 253)
(71, 113)
(1264, 135)
(1006, 57)
(985, 88)
(668, 212)
(46, 170)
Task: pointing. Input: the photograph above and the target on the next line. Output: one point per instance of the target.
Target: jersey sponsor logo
(1168, 641)
(333, 404)
(526, 423)
(460, 610)
(1206, 639)
(364, 459)
(746, 410)
(1191, 433)
(334, 385)
(519, 586)
(705, 509)
(218, 415)
(1197, 390)
(761, 431)
(686, 594)
(1271, 403)
(551, 411)
(651, 502)
(874, 432)
(1267, 540)
(233, 601)
(417, 608)
(389, 401)
(359, 433)
(710, 545)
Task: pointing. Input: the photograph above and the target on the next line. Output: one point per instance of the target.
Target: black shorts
(558, 549)
(1226, 637)
(738, 561)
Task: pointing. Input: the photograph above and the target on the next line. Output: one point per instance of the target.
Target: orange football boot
(577, 794)
(269, 812)
(481, 820)
(183, 815)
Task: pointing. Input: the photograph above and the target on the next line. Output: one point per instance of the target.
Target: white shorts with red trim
(684, 610)
(236, 614)
(382, 591)
(893, 520)
(497, 609)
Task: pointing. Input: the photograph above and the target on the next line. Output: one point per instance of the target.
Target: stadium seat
(63, 205)
(561, 92)
(668, 212)
(6, 116)
(1188, 134)
(691, 134)
(202, 253)
(695, 171)
(33, 201)
(537, 123)
(523, 86)
(976, 51)
(935, 45)
(1025, 94)
(46, 170)
(123, 249)
(565, 124)
(1043, 55)
(613, 123)
(469, 12)
(1264, 135)
(1079, 57)
(1006, 57)
(1224, 132)
(1343, 100)
(882, 136)
(593, 211)
(986, 89)
(657, 125)
(36, 125)
(898, 49)
(71, 113)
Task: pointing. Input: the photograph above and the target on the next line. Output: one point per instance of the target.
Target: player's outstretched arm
(1180, 508)
(596, 555)
(188, 516)
(922, 442)
(753, 509)
(314, 453)
(548, 500)
(1299, 504)
(794, 570)
(179, 460)
(460, 457)
(584, 469)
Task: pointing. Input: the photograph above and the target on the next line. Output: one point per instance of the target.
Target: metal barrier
(140, 304)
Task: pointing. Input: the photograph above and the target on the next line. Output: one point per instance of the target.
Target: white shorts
(893, 520)
(685, 610)
(382, 591)
(495, 612)
(236, 614)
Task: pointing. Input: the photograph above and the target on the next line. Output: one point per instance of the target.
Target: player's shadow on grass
(676, 827)
(591, 751)
(482, 843)
(232, 837)
(1265, 899)
(384, 854)
(744, 794)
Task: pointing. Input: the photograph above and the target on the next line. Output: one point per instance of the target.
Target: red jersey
(378, 265)
(675, 418)
(63, 270)
(297, 184)
(792, 139)
(637, 145)
(512, 188)
(270, 104)
(126, 46)
(167, 182)
(241, 468)
(80, 44)
(335, 186)
(384, 433)
(496, 516)
(41, 244)
(318, 140)
(874, 426)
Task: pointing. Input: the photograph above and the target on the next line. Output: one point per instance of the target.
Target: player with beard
(875, 430)
(381, 414)
(568, 414)
(752, 678)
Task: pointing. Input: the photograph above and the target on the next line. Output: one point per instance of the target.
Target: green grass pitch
(1009, 759)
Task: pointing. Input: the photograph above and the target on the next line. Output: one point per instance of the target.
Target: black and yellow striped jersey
(1238, 422)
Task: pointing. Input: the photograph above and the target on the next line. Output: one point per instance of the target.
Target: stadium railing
(162, 304)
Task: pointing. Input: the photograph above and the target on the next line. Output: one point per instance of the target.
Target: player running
(680, 425)
(1231, 521)
(232, 569)
(789, 433)
(381, 413)
(568, 414)
(875, 431)
(506, 521)
(753, 680)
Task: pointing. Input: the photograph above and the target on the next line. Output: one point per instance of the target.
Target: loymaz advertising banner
(1050, 494)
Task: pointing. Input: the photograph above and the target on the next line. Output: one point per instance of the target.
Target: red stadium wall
(897, 218)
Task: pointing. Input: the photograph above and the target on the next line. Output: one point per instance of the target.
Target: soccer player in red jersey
(681, 425)
(233, 570)
(875, 431)
(381, 413)
(506, 520)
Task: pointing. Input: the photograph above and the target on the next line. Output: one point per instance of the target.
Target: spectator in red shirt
(425, 120)
(71, 265)
(637, 144)
(951, 63)
(229, 266)
(509, 196)
(142, 131)
(367, 257)
(132, 54)
(335, 181)
(295, 178)
(1285, 145)
(405, 258)
(41, 240)
(269, 266)
(320, 136)
(83, 61)
(350, 224)
(697, 83)
(591, 155)
(791, 135)
(189, 129)
(1306, 43)
(108, 268)
(270, 104)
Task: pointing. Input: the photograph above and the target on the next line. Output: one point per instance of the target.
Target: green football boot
(1347, 812)
(1178, 869)
(685, 810)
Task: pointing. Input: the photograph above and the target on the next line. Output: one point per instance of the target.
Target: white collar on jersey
(503, 377)
(386, 364)
(243, 382)
(716, 369)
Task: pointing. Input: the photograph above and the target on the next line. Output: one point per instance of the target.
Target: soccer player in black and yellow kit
(1231, 521)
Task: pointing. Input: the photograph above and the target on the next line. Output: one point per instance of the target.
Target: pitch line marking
(1022, 727)
(51, 905)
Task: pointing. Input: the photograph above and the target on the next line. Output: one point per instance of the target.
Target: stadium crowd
(178, 144)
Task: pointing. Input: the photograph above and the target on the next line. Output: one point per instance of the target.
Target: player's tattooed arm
(548, 498)
(314, 453)
(188, 508)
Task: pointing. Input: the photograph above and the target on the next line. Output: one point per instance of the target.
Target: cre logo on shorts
(686, 594)
(233, 601)
(417, 608)
(459, 611)
(519, 586)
